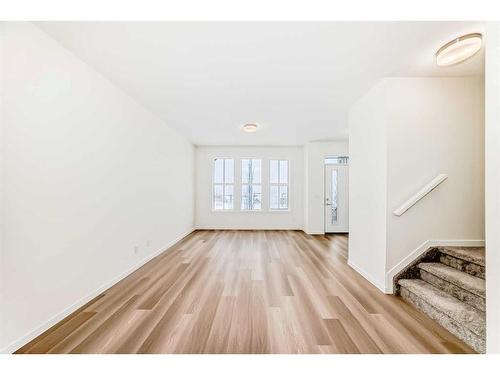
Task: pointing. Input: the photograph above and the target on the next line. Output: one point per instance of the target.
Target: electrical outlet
(136, 249)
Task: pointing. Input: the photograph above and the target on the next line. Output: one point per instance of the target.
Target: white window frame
(223, 184)
(278, 184)
(250, 183)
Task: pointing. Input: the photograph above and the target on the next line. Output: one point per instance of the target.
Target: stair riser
(469, 337)
(472, 299)
(463, 265)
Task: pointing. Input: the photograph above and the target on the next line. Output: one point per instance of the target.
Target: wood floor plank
(226, 291)
(218, 338)
(259, 343)
(61, 327)
(355, 330)
(47, 343)
(203, 319)
(102, 335)
(342, 342)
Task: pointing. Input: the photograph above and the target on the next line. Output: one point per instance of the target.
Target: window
(223, 189)
(337, 160)
(251, 188)
(278, 178)
(334, 206)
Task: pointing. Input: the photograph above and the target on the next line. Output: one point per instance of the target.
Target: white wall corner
(379, 284)
(389, 287)
(492, 79)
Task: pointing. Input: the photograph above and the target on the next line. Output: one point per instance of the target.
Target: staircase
(449, 286)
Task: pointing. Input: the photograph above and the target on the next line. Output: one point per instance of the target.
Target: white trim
(389, 276)
(379, 285)
(16, 344)
(420, 194)
(198, 227)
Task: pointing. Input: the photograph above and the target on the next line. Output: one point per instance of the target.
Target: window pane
(273, 199)
(256, 197)
(245, 171)
(337, 160)
(273, 171)
(218, 171)
(334, 196)
(256, 171)
(218, 197)
(283, 171)
(245, 197)
(283, 197)
(229, 171)
(228, 197)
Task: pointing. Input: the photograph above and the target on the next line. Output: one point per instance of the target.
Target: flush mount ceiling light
(250, 128)
(459, 49)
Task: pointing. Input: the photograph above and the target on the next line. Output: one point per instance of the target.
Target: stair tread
(470, 254)
(456, 277)
(462, 313)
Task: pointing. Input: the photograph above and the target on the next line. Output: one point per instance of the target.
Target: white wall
(2, 92)
(434, 125)
(205, 218)
(492, 78)
(314, 188)
(421, 127)
(368, 185)
(87, 175)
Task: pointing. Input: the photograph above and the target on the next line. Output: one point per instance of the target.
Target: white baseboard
(389, 289)
(240, 228)
(367, 276)
(16, 344)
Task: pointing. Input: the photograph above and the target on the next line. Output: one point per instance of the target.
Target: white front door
(336, 198)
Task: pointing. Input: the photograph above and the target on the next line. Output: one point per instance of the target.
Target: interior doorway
(337, 194)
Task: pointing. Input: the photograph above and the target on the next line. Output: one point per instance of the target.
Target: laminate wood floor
(247, 292)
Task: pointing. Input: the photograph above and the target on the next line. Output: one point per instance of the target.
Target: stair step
(468, 282)
(461, 285)
(467, 259)
(462, 320)
(457, 310)
(470, 254)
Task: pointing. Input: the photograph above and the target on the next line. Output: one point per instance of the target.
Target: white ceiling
(295, 79)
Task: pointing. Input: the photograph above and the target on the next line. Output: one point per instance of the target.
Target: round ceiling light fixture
(250, 128)
(459, 49)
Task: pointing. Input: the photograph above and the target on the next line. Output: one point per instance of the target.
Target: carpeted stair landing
(452, 292)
